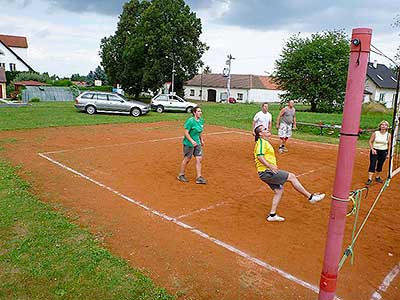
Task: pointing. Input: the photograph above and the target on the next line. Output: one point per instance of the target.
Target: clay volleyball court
(210, 241)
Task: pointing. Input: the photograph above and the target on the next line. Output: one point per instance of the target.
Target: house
(244, 88)
(3, 81)
(380, 84)
(14, 53)
(19, 84)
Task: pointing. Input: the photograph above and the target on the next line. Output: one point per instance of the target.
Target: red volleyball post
(359, 51)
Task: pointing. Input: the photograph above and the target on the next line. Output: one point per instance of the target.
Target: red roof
(14, 41)
(30, 83)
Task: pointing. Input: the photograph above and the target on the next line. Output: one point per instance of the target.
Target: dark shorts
(274, 180)
(190, 151)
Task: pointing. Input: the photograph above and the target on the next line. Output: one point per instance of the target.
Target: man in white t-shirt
(263, 117)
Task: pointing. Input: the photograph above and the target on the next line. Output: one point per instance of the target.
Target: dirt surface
(209, 241)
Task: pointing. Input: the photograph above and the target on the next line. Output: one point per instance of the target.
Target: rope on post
(354, 236)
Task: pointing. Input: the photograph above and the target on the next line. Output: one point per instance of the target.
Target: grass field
(44, 256)
(52, 114)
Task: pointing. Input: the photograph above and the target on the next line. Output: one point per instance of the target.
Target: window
(200, 93)
(3, 65)
(240, 96)
(162, 98)
(223, 96)
(12, 67)
(380, 77)
(87, 96)
(113, 98)
(381, 97)
(101, 96)
(191, 92)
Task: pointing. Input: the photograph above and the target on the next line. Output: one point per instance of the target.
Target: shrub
(34, 100)
(373, 106)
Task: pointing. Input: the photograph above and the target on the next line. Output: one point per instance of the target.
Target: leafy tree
(314, 70)
(90, 78)
(153, 38)
(25, 76)
(99, 74)
(78, 77)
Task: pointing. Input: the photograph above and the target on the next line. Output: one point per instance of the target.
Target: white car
(165, 102)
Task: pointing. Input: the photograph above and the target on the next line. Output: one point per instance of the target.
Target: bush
(34, 100)
(103, 88)
(373, 107)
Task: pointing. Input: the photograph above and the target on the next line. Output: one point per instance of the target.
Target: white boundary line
(134, 143)
(386, 282)
(198, 232)
(200, 210)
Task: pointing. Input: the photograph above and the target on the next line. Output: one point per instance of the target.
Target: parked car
(93, 102)
(164, 102)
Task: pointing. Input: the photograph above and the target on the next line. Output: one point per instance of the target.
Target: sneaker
(378, 179)
(369, 181)
(316, 197)
(201, 180)
(280, 150)
(284, 149)
(275, 218)
(182, 178)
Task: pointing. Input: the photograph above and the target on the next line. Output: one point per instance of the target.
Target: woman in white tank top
(379, 144)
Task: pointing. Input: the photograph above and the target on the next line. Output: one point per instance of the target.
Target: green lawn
(44, 256)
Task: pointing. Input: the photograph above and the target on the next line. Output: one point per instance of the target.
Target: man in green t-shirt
(192, 145)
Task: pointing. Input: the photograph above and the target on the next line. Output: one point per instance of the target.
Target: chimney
(375, 64)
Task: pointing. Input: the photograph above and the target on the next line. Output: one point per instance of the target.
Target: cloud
(105, 7)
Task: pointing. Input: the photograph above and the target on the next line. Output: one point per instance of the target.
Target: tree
(153, 38)
(314, 70)
(99, 74)
(78, 77)
(90, 78)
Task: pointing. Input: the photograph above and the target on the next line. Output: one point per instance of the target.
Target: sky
(64, 35)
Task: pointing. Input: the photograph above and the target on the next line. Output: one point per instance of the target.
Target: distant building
(244, 88)
(380, 84)
(14, 53)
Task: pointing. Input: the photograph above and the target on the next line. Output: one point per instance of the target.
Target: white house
(380, 84)
(13, 53)
(244, 88)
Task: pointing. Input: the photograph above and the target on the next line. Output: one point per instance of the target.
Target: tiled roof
(382, 76)
(30, 83)
(237, 81)
(2, 75)
(14, 41)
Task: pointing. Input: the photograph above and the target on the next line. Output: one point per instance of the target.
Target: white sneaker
(275, 218)
(316, 197)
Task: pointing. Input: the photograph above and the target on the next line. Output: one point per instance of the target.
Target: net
(394, 162)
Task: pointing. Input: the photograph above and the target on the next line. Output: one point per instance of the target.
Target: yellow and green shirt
(265, 149)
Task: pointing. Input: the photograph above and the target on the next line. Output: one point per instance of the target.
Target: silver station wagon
(93, 102)
(164, 102)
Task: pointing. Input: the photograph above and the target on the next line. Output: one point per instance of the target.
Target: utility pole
(227, 73)
(173, 74)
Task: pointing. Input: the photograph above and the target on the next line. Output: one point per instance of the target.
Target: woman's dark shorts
(190, 151)
(274, 180)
